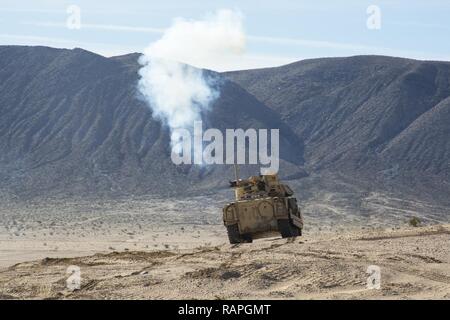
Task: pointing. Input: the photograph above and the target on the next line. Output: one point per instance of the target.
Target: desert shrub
(414, 221)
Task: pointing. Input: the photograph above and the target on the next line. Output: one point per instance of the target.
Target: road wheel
(233, 234)
(247, 238)
(287, 229)
(235, 237)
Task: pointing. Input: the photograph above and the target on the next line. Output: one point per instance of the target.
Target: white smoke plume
(177, 92)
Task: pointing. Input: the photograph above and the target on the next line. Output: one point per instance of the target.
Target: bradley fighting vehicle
(263, 207)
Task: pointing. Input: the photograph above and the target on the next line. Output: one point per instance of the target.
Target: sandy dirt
(64, 228)
(414, 264)
(31, 230)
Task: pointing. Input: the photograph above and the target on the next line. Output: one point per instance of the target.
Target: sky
(277, 32)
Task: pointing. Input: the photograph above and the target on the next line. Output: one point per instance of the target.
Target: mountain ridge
(78, 116)
(72, 123)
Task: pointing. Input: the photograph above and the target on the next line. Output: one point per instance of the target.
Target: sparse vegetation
(414, 222)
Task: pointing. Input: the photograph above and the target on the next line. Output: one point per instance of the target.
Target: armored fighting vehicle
(264, 207)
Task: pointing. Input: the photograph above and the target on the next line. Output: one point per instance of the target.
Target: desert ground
(177, 249)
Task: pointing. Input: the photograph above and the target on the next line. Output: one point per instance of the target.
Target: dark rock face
(366, 116)
(72, 123)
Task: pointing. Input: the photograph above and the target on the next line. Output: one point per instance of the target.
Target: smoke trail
(177, 92)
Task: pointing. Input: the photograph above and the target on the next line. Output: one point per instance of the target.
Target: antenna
(236, 173)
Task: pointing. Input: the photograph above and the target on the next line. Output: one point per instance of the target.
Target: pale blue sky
(278, 32)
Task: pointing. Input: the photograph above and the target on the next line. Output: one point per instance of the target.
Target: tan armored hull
(256, 214)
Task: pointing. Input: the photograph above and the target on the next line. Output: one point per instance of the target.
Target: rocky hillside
(72, 123)
(383, 119)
